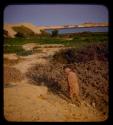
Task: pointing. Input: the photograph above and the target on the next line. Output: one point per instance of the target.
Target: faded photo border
(109, 59)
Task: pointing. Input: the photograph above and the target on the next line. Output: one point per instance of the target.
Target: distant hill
(23, 31)
(8, 28)
(36, 29)
(12, 32)
(90, 24)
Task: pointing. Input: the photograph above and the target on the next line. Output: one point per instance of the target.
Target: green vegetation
(88, 37)
(78, 40)
(12, 49)
(18, 50)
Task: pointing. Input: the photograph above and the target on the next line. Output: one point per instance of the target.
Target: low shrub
(12, 49)
(92, 73)
(24, 53)
(11, 75)
(83, 54)
(49, 75)
(66, 56)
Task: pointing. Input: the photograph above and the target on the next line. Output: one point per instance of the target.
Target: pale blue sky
(55, 14)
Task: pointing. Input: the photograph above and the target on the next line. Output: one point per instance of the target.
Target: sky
(55, 14)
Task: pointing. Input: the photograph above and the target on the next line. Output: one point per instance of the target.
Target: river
(80, 29)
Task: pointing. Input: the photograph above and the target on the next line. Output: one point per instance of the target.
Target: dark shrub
(54, 33)
(19, 34)
(24, 53)
(5, 33)
(23, 31)
(94, 51)
(49, 75)
(92, 73)
(66, 56)
(44, 33)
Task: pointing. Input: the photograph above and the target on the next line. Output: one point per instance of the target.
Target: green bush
(79, 40)
(54, 33)
(12, 49)
(17, 49)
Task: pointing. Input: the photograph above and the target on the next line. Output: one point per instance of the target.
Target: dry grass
(11, 75)
(11, 62)
(92, 73)
(48, 75)
(94, 83)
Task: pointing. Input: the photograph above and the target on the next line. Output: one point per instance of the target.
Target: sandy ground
(28, 102)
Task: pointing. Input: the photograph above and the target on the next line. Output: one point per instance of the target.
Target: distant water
(81, 29)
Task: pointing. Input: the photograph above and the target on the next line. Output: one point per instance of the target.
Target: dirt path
(27, 102)
(40, 57)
